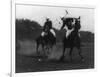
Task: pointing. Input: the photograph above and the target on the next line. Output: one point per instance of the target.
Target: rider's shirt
(48, 25)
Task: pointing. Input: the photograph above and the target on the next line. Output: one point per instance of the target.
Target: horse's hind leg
(80, 53)
(70, 53)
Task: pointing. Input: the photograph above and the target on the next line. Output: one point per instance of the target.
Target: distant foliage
(87, 36)
(27, 29)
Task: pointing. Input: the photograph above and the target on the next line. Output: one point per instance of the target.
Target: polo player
(71, 25)
(48, 27)
(67, 24)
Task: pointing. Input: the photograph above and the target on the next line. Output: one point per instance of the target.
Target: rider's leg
(53, 32)
(42, 34)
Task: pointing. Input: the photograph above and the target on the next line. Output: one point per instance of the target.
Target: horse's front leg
(70, 53)
(43, 50)
(50, 48)
(37, 46)
(47, 47)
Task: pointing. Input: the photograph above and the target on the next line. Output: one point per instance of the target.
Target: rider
(47, 27)
(72, 27)
(67, 24)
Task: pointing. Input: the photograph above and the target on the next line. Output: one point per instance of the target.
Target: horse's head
(77, 23)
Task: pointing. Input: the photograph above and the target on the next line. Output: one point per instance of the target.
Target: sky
(40, 13)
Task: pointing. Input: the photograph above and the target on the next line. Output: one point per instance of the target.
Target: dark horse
(47, 42)
(73, 39)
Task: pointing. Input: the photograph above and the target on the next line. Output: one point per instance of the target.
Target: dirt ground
(28, 61)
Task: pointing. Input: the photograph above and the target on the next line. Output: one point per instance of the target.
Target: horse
(47, 42)
(73, 40)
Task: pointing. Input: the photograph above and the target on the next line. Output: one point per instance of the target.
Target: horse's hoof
(83, 60)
